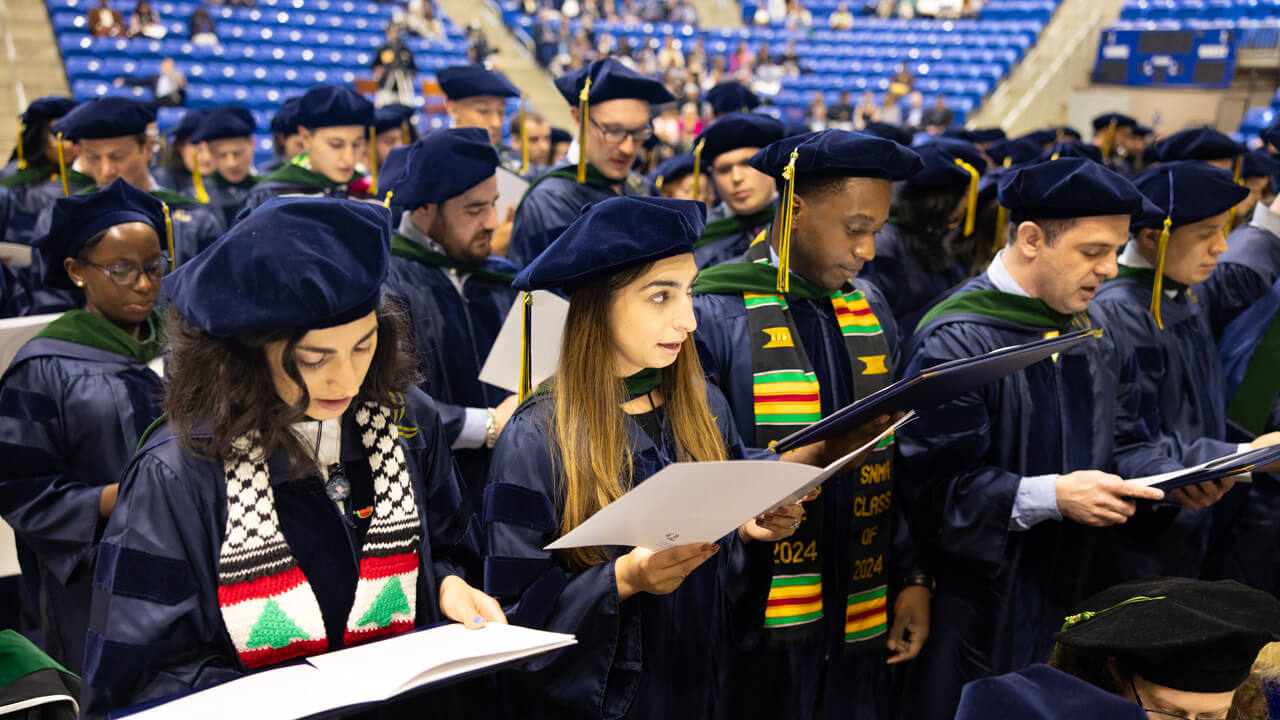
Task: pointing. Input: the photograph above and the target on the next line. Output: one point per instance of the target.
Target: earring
(79, 283)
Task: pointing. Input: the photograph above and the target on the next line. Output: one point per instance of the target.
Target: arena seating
(265, 55)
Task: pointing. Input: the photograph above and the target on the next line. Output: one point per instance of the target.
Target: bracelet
(490, 430)
(918, 580)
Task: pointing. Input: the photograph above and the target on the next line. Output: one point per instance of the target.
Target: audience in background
(169, 86)
(105, 22)
(201, 28)
(145, 22)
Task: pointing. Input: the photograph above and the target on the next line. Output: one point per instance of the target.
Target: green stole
(786, 398)
(724, 227)
(293, 173)
(41, 173)
(85, 328)
(402, 246)
(1251, 406)
(1001, 305)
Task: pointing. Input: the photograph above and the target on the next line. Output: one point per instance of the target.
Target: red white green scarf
(268, 606)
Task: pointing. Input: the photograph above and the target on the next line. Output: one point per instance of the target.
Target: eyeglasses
(128, 275)
(615, 136)
(1163, 714)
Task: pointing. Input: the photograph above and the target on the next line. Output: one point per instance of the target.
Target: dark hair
(32, 142)
(1053, 228)
(1112, 674)
(815, 186)
(925, 215)
(221, 388)
(172, 161)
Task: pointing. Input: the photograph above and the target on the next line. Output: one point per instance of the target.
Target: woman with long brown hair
(300, 497)
(629, 397)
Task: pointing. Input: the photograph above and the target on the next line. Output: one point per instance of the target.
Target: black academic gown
(908, 284)
(646, 657)
(454, 331)
(227, 198)
(802, 682)
(70, 419)
(1000, 592)
(552, 203)
(157, 630)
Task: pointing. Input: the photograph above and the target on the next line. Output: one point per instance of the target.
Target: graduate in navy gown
(848, 596)
(455, 292)
(615, 122)
(746, 198)
(180, 166)
(77, 398)
(914, 267)
(673, 178)
(110, 134)
(300, 496)
(227, 133)
(333, 123)
(1009, 478)
(1174, 409)
(286, 140)
(476, 97)
(1113, 136)
(36, 175)
(628, 398)
(730, 97)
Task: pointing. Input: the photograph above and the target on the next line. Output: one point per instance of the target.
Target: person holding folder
(914, 266)
(76, 399)
(1175, 409)
(1014, 477)
(334, 125)
(746, 196)
(299, 496)
(611, 106)
(454, 290)
(628, 398)
(792, 337)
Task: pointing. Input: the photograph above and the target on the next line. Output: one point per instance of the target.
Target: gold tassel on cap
(971, 208)
(62, 169)
(583, 110)
(526, 349)
(784, 246)
(386, 201)
(697, 165)
(1002, 219)
(1109, 141)
(1235, 176)
(197, 180)
(524, 135)
(168, 237)
(1157, 287)
(22, 160)
(373, 161)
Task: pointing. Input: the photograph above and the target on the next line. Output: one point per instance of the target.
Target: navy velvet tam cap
(331, 106)
(186, 126)
(1272, 133)
(390, 117)
(1071, 188)
(228, 121)
(732, 96)
(738, 130)
(1018, 151)
(838, 153)
(614, 235)
(395, 166)
(1199, 144)
(560, 135)
(1043, 693)
(106, 117)
(673, 169)
(611, 80)
(1041, 137)
(443, 165)
(1071, 148)
(1189, 635)
(1260, 163)
(958, 133)
(988, 135)
(463, 81)
(888, 132)
(77, 219)
(292, 264)
(940, 167)
(47, 108)
(1142, 130)
(1104, 121)
(285, 121)
(1195, 189)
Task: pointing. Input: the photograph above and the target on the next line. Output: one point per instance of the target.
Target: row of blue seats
(1256, 120)
(802, 98)
(73, 45)
(820, 12)
(184, 9)
(942, 71)
(1199, 9)
(895, 55)
(87, 68)
(860, 37)
(978, 87)
(178, 24)
(177, 31)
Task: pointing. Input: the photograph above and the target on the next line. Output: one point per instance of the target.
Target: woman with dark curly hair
(1172, 647)
(300, 497)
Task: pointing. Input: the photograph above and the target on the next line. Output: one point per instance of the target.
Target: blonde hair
(589, 429)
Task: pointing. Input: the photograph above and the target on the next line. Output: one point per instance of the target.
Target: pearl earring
(79, 283)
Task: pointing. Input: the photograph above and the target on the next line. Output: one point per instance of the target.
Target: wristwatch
(917, 579)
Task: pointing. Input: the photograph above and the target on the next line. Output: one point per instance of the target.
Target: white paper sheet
(363, 674)
(502, 367)
(15, 332)
(511, 188)
(702, 502)
(15, 254)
